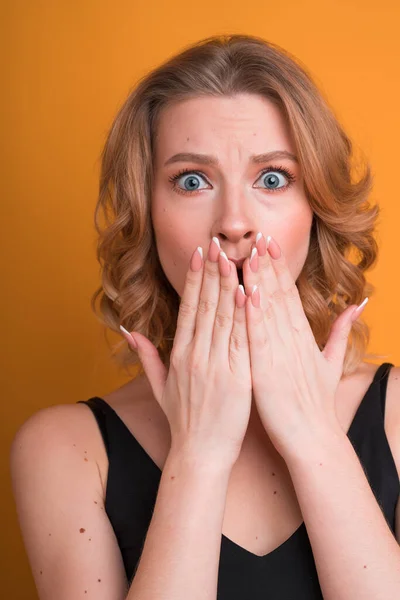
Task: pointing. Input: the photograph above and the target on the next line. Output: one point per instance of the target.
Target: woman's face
(231, 199)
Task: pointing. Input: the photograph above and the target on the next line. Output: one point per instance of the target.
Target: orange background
(67, 67)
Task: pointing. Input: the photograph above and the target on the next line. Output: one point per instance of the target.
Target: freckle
(256, 537)
(95, 501)
(320, 464)
(85, 459)
(49, 533)
(41, 572)
(90, 539)
(275, 492)
(74, 445)
(82, 530)
(99, 580)
(85, 591)
(273, 473)
(85, 451)
(172, 476)
(365, 566)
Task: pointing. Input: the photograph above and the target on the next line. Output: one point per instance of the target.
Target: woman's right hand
(206, 394)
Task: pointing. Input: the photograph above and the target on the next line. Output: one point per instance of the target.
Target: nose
(236, 243)
(236, 221)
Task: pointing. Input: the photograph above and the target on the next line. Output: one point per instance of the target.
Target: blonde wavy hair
(135, 292)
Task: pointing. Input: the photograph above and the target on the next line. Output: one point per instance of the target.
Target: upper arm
(69, 540)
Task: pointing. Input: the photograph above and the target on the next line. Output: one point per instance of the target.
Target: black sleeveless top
(286, 573)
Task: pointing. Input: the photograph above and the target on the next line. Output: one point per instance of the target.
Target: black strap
(382, 375)
(100, 414)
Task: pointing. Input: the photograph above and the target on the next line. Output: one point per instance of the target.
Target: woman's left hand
(294, 382)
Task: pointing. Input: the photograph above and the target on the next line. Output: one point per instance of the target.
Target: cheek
(295, 241)
(175, 243)
(297, 256)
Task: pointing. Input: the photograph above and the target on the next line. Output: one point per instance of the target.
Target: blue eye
(270, 178)
(191, 181)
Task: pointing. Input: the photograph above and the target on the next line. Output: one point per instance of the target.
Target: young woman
(257, 454)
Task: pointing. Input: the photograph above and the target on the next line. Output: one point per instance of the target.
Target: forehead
(246, 121)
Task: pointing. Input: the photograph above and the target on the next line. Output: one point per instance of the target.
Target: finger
(261, 271)
(292, 311)
(336, 346)
(262, 330)
(207, 305)
(239, 351)
(186, 321)
(226, 307)
(154, 368)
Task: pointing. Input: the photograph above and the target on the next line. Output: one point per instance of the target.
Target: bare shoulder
(64, 423)
(54, 473)
(392, 407)
(352, 390)
(63, 429)
(73, 427)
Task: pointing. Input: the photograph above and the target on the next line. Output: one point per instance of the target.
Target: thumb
(153, 366)
(336, 346)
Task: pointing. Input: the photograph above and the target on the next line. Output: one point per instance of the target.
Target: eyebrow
(206, 159)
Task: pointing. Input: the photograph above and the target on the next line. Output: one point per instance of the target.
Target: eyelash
(173, 179)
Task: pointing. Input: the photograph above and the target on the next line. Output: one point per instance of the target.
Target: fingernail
(254, 260)
(357, 312)
(196, 262)
(255, 296)
(226, 269)
(130, 338)
(214, 250)
(261, 244)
